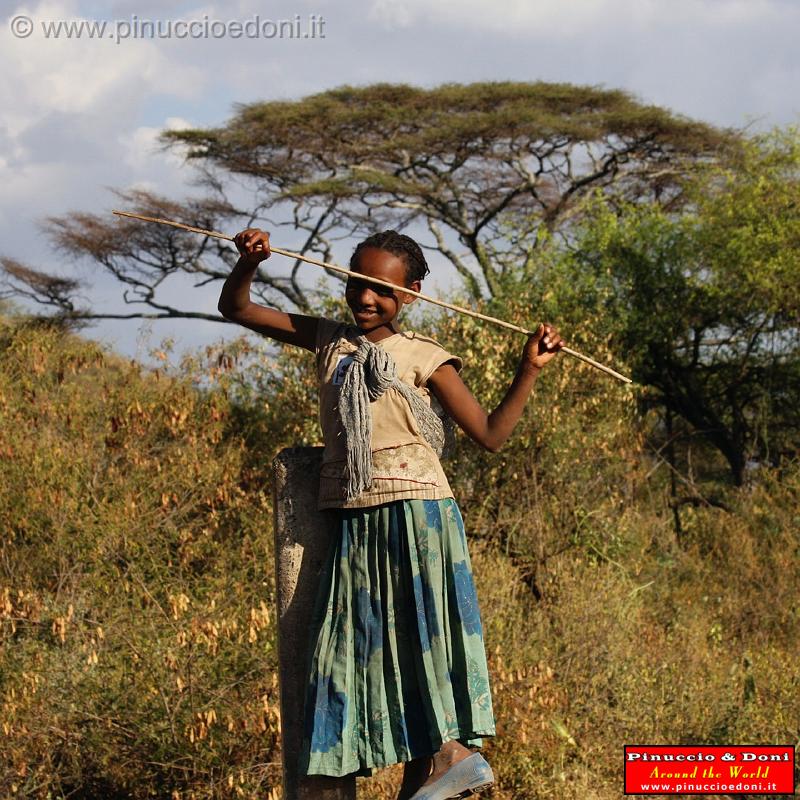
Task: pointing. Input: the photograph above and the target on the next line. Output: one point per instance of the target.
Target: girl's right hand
(545, 343)
(253, 245)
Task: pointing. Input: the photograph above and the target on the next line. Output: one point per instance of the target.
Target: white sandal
(469, 775)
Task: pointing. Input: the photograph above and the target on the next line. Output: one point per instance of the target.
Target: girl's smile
(375, 307)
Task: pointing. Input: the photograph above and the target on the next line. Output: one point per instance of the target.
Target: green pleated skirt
(397, 663)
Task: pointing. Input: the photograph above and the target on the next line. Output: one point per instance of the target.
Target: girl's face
(375, 307)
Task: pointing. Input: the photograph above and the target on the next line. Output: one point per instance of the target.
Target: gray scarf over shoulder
(372, 372)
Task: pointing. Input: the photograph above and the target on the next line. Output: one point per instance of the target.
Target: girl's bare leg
(414, 774)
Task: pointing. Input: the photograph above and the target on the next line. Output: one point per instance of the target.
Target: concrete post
(301, 543)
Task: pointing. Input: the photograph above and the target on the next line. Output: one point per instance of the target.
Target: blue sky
(80, 116)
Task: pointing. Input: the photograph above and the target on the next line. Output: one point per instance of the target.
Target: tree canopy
(468, 161)
(486, 168)
(705, 305)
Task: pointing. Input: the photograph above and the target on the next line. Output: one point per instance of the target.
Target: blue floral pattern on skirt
(397, 660)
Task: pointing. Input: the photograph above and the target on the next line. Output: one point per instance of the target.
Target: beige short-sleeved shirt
(404, 465)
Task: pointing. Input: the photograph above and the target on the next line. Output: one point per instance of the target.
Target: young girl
(398, 672)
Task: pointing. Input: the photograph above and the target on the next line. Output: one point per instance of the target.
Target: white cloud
(77, 76)
(141, 146)
(569, 19)
(71, 108)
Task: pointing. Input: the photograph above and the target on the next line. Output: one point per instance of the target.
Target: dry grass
(137, 641)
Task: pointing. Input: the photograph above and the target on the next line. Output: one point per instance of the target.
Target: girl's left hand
(542, 346)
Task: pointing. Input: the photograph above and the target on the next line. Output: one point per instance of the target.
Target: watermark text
(312, 26)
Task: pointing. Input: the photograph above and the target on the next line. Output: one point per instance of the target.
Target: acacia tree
(484, 167)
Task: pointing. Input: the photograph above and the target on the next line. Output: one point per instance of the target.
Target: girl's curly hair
(398, 244)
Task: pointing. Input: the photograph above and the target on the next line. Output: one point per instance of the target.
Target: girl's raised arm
(235, 304)
(492, 430)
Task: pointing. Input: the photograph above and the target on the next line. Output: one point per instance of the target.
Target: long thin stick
(325, 265)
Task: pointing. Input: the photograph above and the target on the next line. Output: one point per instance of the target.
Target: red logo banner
(709, 769)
